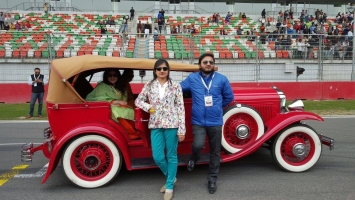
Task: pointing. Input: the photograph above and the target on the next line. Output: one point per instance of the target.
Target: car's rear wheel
(242, 126)
(297, 148)
(91, 161)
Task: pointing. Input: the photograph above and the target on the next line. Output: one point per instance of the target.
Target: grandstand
(243, 58)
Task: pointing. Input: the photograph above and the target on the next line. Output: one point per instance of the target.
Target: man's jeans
(34, 98)
(214, 136)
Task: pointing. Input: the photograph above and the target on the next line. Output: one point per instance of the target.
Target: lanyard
(209, 85)
(34, 76)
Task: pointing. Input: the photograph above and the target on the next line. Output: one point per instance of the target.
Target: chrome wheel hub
(299, 149)
(92, 163)
(242, 131)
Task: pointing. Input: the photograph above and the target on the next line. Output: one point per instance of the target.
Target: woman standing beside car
(167, 121)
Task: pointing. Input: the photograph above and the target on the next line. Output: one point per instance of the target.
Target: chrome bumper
(27, 152)
(327, 141)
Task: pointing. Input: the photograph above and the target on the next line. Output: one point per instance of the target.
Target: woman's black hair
(119, 85)
(157, 64)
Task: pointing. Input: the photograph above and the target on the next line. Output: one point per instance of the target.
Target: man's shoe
(212, 187)
(191, 165)
(29, 116)
(168, 195)
(162, 189)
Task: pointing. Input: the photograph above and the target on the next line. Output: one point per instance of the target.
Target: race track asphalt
(253, 177)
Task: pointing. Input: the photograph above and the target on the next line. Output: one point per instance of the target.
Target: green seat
(157, 54)
(129, 54)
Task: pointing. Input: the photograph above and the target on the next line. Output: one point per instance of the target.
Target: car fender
(98, 128)
(274, 126)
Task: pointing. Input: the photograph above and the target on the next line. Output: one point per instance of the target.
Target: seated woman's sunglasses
(160, 68)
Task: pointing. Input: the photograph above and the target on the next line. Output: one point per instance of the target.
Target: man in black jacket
(37, 81)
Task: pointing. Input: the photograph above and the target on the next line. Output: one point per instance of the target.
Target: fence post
(257, 78)
(49, 48)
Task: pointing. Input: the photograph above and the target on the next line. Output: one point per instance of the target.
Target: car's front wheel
(91, 161)
(297, 148)
(242, 126)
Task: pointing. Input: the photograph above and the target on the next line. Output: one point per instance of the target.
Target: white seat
(216, 54)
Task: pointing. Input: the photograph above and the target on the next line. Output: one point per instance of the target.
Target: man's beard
(206, 72)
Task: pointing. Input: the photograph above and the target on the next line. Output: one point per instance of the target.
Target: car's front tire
(297, 148)
(91, 161)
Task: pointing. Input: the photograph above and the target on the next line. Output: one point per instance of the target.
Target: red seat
(116, 54)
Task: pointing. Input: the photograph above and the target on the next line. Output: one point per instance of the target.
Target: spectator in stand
(291, 14)
(278, 42)
(132, 14)
(240, 15)
(146, 29)
(330, 29)
(278, 24)
(263, 14)
(6, 26)
(350, 35)
(125, 36)
(328, 49)
(139, 29)
(214, 17)
(302, 48)
(283, 28)
(222, 32)
(155, 34)
(162, 13)
(262, 28)
(240, 31)
(12, 27)
(111, 21)
(160, 23)
(244, 16)
(103, 29)
(45, 8)
(337, 48)
(28, 25)
(273, 36)
(2, 21)
(17, 26)
(23, 27)
(217, 18)
(125, 24)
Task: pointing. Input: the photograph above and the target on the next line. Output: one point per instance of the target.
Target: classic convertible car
(93, 148)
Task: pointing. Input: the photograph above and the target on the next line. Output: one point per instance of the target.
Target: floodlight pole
(352, 9)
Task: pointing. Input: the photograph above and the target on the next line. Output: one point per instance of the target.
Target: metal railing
(240, 57)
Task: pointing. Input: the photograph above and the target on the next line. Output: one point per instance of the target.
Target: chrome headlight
(296, 105)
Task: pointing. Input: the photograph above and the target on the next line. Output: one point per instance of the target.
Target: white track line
(13, 144)
(39, 174)
(22, 121)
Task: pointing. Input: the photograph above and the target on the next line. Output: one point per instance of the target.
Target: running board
(143, 163)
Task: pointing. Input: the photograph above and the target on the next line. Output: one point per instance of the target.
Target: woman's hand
(181, 138)
(117, 103)
(152, 110)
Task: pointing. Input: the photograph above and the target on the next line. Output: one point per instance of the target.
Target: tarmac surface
(256, 176)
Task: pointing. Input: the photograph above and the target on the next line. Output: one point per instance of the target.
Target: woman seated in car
(113, 88)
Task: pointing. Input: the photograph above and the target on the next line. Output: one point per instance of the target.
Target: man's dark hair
(37, 68)
(205, 55)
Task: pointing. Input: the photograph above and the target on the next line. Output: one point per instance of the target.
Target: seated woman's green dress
(104, 92)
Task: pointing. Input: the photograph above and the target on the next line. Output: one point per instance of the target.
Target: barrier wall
(21, 92)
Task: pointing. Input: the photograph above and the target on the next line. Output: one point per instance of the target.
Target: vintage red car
(93, 148)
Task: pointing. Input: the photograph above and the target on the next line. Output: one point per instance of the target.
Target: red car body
(257, 117)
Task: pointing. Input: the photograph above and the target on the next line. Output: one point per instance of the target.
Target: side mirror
(300, 70)
(142, 74)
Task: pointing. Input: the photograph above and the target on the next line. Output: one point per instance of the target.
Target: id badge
(208, 101)
(35, 85)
